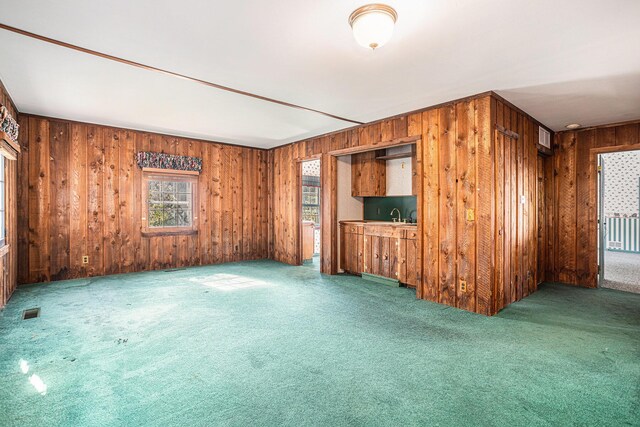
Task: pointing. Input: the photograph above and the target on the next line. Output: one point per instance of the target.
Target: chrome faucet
(396, 219)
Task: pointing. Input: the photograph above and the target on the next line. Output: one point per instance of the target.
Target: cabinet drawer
(383, 231)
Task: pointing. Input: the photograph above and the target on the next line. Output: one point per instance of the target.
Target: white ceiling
(561, 61)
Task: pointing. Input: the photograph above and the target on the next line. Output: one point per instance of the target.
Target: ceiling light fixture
(573, 126)
(373, 24)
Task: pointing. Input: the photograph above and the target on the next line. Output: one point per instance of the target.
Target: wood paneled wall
(574, 248)
(284, 168)
(8, 258)
(517, 204)
(461, 199)
(80, 194)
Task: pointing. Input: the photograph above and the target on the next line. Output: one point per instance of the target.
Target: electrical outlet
(85, 259)
(463, 286)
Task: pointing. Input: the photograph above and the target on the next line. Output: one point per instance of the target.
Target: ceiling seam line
(170, 73)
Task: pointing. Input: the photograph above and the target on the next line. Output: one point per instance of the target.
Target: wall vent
(544, 138)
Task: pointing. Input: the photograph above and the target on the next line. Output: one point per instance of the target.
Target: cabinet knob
(386, 257)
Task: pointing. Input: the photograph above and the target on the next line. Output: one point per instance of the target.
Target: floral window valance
(8, 124)
(147, 159)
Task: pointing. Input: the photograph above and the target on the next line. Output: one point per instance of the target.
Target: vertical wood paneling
(23, 196)
(78, 197)
(143, 259)
(129, 195)
(95, 175)
(39, 208)
(447, 205)
(59, 192)
(466, 204)
(82, 196)
(111, 198)
(566, 170)
(470, 185)
(458, 178)
(573, 221)
(431, 204)
(485, 206)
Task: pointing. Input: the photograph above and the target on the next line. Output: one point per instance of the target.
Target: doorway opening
(311, 211)
(619, 220)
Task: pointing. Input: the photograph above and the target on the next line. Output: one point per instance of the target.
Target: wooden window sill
(4, 250)
(161, 233)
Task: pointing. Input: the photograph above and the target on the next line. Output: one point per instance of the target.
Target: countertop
(385, 223)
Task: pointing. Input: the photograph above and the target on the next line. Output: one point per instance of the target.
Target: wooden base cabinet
(384, 250)
(408, 268)
(351, 248)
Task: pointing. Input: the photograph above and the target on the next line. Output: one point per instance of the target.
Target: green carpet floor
(261, 343)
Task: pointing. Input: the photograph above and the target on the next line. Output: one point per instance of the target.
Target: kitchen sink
(389, 223)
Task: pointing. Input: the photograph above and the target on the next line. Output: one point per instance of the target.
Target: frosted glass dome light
(373, 24)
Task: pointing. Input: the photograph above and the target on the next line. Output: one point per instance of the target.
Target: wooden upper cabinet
(368, 175)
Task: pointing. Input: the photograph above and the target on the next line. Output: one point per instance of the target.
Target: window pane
(155, 206)
(170, 218)
(156, 218)
(155, 197)
(169, 197)
(184, 187)
(170, 203)
(168, 187)
(184, 217)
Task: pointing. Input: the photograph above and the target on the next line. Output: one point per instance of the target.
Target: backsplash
(379, 208)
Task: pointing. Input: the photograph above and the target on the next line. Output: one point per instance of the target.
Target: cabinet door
(366, 254)
(359, 254)
(350, 256)
(402, 260)
(385, 257)
(368, 175)
(373, 262)
(411, 262)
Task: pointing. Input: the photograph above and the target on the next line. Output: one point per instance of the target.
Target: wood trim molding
(169, 233)
(4, 250)
(169, 73)
(8, 147)
(615, 149)
(170, 171)
(398, 142)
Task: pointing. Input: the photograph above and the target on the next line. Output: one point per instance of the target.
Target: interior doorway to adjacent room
(311, 205)
(619, 220)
